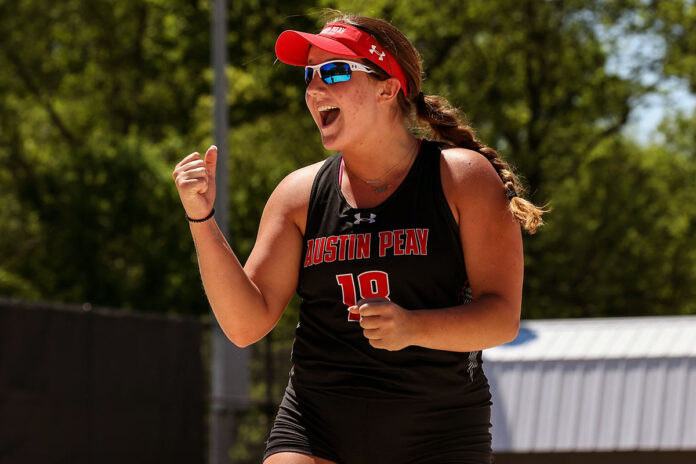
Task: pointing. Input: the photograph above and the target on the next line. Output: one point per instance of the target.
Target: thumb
(211, 160)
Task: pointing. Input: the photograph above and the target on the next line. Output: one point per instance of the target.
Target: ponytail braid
(445, 124)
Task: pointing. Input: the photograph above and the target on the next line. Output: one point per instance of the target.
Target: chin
(331, 143)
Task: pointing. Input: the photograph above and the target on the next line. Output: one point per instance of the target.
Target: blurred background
(591, 100)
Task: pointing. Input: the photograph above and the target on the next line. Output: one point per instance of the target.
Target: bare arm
(248, 301)
(245, 305)
(492, 246)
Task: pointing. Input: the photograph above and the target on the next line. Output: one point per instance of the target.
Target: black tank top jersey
(406, 249)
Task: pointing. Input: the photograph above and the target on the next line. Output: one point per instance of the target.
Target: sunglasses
(334, 71)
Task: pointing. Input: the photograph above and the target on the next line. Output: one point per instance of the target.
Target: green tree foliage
(98, 101)
(674, 22)
(620, 241)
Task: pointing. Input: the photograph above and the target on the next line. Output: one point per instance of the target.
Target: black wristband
(200, 220)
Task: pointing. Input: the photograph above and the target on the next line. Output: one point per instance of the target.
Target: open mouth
(328, 114)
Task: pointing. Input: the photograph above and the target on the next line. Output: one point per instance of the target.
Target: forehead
(317, 55)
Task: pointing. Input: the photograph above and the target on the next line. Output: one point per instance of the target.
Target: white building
(595, 385)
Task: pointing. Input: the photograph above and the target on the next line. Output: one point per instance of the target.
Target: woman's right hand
(195, 181)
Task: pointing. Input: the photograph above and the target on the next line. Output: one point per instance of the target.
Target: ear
(389, 90)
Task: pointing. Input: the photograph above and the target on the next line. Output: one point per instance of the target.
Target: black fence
(81, 385)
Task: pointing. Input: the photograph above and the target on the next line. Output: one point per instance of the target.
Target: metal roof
(595, 385)
(601, 338)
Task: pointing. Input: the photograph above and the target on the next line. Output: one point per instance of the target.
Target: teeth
(327, 108)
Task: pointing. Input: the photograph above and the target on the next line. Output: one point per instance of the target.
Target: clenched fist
(385, 324)
(195, 181)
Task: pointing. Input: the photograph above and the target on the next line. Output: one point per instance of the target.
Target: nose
(315, 85)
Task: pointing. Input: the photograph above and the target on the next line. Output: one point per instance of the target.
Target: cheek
(309, 107)
(362, 106)
(361, 97)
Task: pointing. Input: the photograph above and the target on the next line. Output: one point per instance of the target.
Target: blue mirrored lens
(308, 74)
(334, 79)
(335, 72)
(330, 73)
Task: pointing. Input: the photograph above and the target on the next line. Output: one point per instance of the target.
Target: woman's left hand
(385, 324)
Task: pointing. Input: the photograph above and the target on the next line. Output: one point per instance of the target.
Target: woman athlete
(407, 254)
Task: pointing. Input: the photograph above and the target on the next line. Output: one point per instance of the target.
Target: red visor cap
(292, 47)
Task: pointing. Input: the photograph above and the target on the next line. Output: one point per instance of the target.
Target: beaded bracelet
(200, 220)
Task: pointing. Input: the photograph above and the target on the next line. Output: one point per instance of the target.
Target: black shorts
(367, 431)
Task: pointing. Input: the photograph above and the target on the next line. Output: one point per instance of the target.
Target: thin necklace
(378, 180)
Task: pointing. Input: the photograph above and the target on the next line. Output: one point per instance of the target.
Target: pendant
(381, 189)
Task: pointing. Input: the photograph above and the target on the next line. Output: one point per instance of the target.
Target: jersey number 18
(371, 284)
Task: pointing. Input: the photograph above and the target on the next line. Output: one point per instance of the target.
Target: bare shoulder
(468, 178)
(468, 169)
(292, 194)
